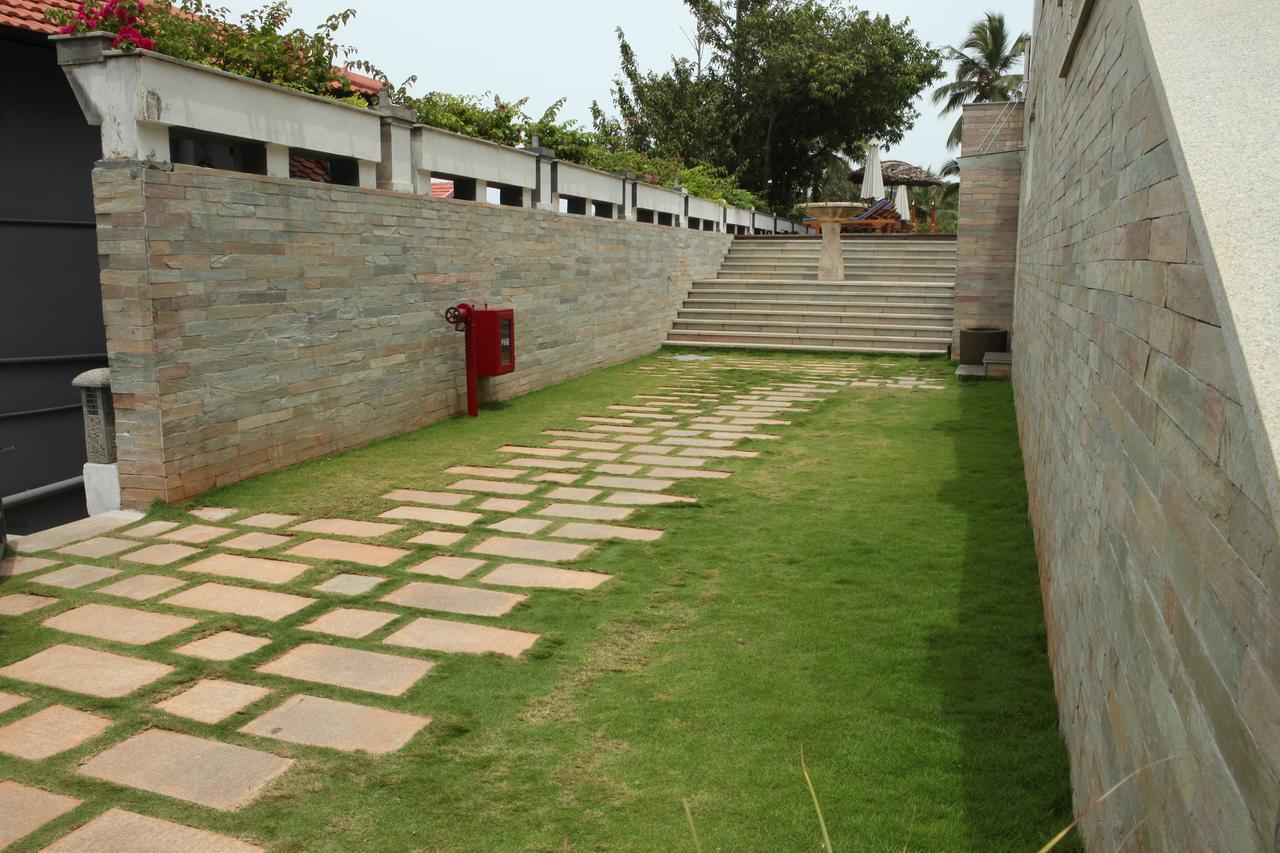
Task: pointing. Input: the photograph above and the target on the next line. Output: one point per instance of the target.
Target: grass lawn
(865, 589)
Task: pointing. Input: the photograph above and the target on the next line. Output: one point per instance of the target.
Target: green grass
(866, 589)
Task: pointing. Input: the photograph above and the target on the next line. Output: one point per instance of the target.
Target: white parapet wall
(659, 199)
(707, 211)
(442, 152)
(581, 182)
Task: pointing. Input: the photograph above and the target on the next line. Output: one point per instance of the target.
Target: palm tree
(935, 200)
(983, 70)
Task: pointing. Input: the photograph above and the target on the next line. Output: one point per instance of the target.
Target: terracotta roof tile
(29, 14)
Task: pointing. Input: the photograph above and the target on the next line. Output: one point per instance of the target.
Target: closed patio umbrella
(901, 203)
(872, 179)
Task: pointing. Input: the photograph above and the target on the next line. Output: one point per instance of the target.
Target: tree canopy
(984, 70)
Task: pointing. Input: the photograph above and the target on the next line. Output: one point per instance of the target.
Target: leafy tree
(984, 70)
(938, 204)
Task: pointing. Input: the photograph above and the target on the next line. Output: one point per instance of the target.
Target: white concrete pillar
(277, 160)
(368, 174)
(395, 170)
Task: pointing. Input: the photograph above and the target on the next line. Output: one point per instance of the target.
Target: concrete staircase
(897, 296)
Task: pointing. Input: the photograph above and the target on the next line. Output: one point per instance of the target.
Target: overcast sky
(567, 48)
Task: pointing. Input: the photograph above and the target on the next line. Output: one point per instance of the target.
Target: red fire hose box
(495, 340)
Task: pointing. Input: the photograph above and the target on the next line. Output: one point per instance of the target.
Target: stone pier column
(831, 261)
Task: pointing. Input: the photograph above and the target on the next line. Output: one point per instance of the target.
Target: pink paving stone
(213, 513)
(572, 494)
(439, 538)
(417, 496)
(530, 549)
(269, 520)
(99, 546)
(9, 701)
(346, 527)
(212, 700)
(551, 464)
(688, 474)
(454, 599)
(224, 645)
(119, 624)
(590, 512)
(119, 830)
(712, 452)
(86, 671)
(443, 635)
(350, 552)
(519, 525)
(221, 598)
(373, 672)
(617, 469)
(633, 483)
(548, 577)
(350, 622)
(19, 565)
(74, 577)
(670, 461)
(575, 434)
(646, 499)
(255, 541)
(141, 587)
(596, 419)
(558, 477)
(580, 530)
(214, 774)
(314, 721)
(532, 451)
(349, 584)
(480, 471)
(600, 456)
(446, 566)
(626, 430)
(23, 810)
(697, 442)
(456, 517)
(150, 529)
(503, 505)
(248, 568)
(50, 731)
(195, 534)
(20, 603)
(588, 445)
(160, 555)
(497, 488)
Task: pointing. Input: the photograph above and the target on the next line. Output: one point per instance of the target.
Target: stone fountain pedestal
(829, 215)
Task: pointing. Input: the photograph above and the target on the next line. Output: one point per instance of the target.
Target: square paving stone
(454, 517)
(160, 555)
(20, 603)
(519, 525)
(532, 451)
(669, 461)
(99, 546)
(16, 564)
(141, 587)
(454, 599)
(224, 645)
(350, 622)
(580, 530)
(587, 445)
(562, 477)
(221, 598)
(475, 471)
(688, 473)
(503, 505)
(9, 701)
(568, 493)
(269, 520)
(74, 577)
(637, 484)
(497, 488)
(314, 721)
(86, 671)
(349, 552)
(439, 538)
(443, 635)
(652, 448)
(50, 731)
(421, 497)
(119, 830)
(524, 575)
(247, 568)
(349, 584)
(617, 469)
(446, 566)
(552, 464)
(212, 700)
(195, 533)
(646, 499)
(530, 549)
(24, 809)
(213, 513)
(590, 512)
(255, 541)
(374, 672)
(208, 772)
(600, 456)
(121, 624)
(346, 527)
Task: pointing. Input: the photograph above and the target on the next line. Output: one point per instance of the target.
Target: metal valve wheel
(454, 316)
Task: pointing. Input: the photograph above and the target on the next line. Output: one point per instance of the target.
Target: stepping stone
(455, 517)
(553, 464)
(50, 731)
(160, 555)
(532, 451)
(688, 474)
(349, 584)
(212, 700)
(350, 622)
(439, 538)
(697, 442)
(23, 810)
(9, 701)
(221, 598)
(646, 499)
(600, 456)
(224, 645)
(214, 774)
(715, 452)
(248, 568)
(20, 603)
(346, 527)
(374, 672)
(519, 525)
(195, 533)
(495, 488)
(558, 477)
(120, 624)
(454, 599)
(100, 546)
(599, 420)
(670, 461)
(503, 504)
(349, 552)
(574, 434)
(579, 530)
(617, 469)
(74, 577)
(445, 566)
(213, 513)
(683, 432)
(635, 483)
(571, 494)
(547, 577)
(415, 496)
(117, 829)
(314, 721)
(254, 541)
(87, 671)
(19, 565)
(530, 549)
(475, 471)
(591, 512)
(141, 587)
(442, 635)
(588, 445)
(269, 520)
(629, 430)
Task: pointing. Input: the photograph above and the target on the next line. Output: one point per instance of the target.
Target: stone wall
(986, 232)
(1158, 548)
(253, 322)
